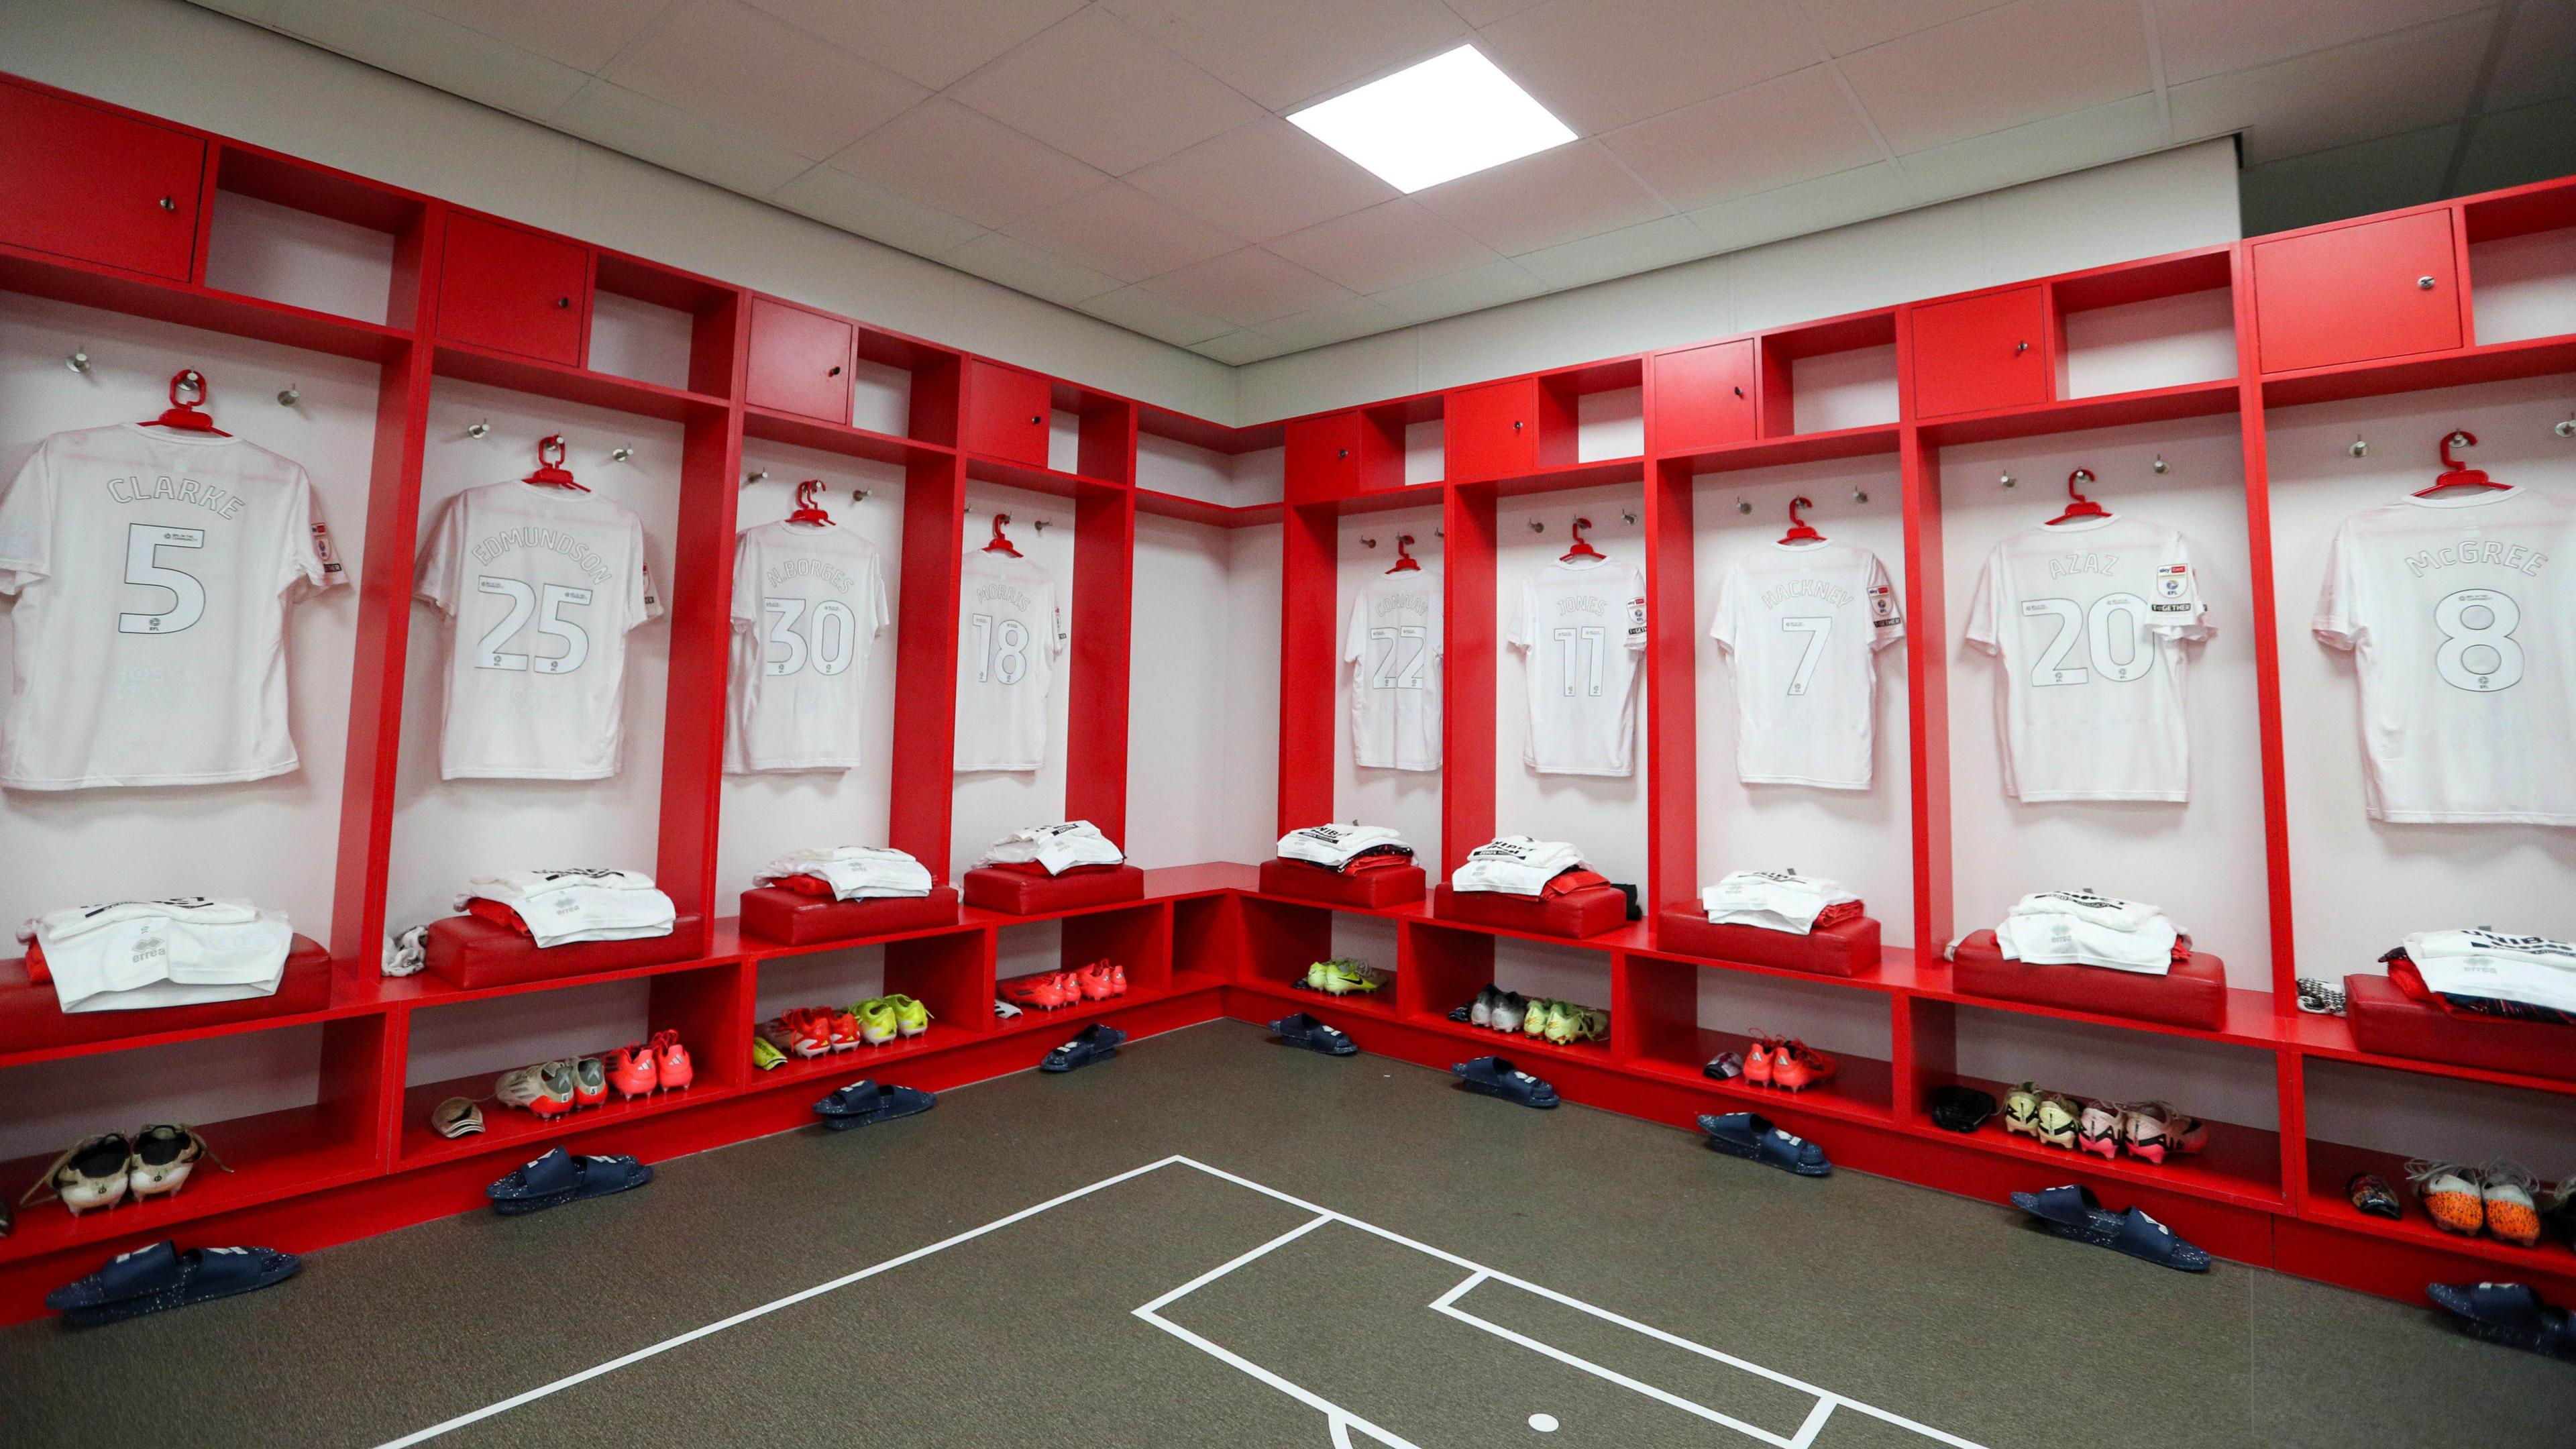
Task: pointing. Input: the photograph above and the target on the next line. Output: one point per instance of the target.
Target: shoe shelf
(2329, 1038)
(2241, 1165)
(513, 1129)
(2332, 1164)
(1861, 1089)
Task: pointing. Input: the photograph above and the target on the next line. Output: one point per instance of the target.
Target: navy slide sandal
(160, 1277)
(2074, 1212)
(559, 1177)
(1751, 1136)
(1496, 1077)
(1094, 1043)
(1301, 1030)
(864, 1101)
(2511, 1314)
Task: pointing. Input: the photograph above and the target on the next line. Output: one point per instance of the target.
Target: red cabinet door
(1324, 457)
(80, 182)
(1979, 353)
(1704, 397)
(514, 290)
(800, 361)
(1493, 430)
(1006, 413)
(2379, 289)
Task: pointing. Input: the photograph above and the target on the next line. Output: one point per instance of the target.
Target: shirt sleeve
(2339, 621)
(1886, 610)
(439, 580)
(746, 583)
(880, 604)
(2176, 608)
(1062, 636)
(1987, 608)
(1636, 609)
(1519, 635)
(27, 524)
(1723, 626)
(309, 564)
(1355, 634)
(643, 601)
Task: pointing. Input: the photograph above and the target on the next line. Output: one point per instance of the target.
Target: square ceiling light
(1448, 117)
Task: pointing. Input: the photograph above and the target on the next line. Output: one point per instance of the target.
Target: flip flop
(1496, 1077)
(559, 1177)
(1750, 1135)
(865, 1101)
(2074, 1212)
(1302, 1030)
(1094, 1043)
(160, 1277)
(2511, 1314)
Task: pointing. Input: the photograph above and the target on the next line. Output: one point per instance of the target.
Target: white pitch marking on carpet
(1544, 1423)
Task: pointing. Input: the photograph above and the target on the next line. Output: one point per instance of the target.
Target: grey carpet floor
(1933, 1309)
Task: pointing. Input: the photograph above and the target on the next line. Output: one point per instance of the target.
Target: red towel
(499, 915)
(37, 971)
(1839, 912)
(1031, 867)
(805, 885)
(1576, 879)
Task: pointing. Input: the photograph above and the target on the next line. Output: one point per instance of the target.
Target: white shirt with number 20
(1010, 632)
(1581, 627)
(2088, 620)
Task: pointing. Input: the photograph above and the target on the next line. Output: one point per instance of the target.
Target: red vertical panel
(1467, 709)
(701, 605)
(2267, 639)
(1103, 623)
(937, 394)
(1309, 659)
(925, 678)
(1106, 444)
(1672, 693)
(384, 615)
(1928, 687)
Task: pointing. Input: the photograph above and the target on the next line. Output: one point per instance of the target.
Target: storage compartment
(514, 290)
(2368, 1119)
(2522, 265)
(32, 1018)
(1454, 966)
(948, 974)
(1505, 428)
(1681, 1015)
(1137, 938)
(471, 953)
(774, 913)
(281, 254)
(800, 361)
(2352, 293)
(2390, 1023)
(83, 182)
(1981, 352)
(1281, 941)
(1704, 397)
(1007, 413)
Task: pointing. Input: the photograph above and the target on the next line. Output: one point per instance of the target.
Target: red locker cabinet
(1503, 428)
(1006, 412)
(86, 183)
(1323, 459)
(2376, 289)
(1980, 352)
(514, 290)
(800, 361)
(1704, 397)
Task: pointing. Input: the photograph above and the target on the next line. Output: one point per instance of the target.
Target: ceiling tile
(932, 45)
(2342, 181)
(1333, 322)
(1238, 348)
(583, 34)
(1280, 54)
(1818, 205)
(1263, 180)
(2335, 97)
(648, 130)
(2001, 68)
(434, 52)
(1849, 25)
(2043, 148)
(1016, 264)
(1604, 63)
(1636, 249)
(1247, 287)
(836, 198)
(2534, 65)
(1474, 289)
(1388, 245)
(258, 12)
(2512, 148)
(1096, 90)
(1486, 12)
(966, 164)
(1159, 317)
(2203, 38)
(738, 67)
(1559, 195)
(1122, 231)
(1757, 139)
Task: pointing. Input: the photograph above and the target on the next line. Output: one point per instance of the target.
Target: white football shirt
(808, 602)
(1010, 631)
(2464, 630)
(2088, 620)
(1581, 627)
(1802, 624)
(152, 570)
(539, 585)
(1393, 648)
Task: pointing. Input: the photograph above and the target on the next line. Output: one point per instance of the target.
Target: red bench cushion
(1392, 885)
(32, 1016)
(1015, 894)
(471, 952)
(1847, 949)
(2194, 994)
(774, 913)
(1577, 913)
(2388, 1021)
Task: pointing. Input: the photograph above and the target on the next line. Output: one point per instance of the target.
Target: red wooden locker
(2377, 289)
(514, 290)
(1503, 428)
(1323, 458)
(1006, 413)
(800, 361)
(88, 183)
(1704, 397)
(1980, 352)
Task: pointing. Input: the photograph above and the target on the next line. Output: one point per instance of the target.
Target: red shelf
(574, 384)
(423, 989)
(2241, 1165)
(505, 1128)
(2329, 1038)
(1796, 448)
(845, 439)
(842, 1068)
(1379, 1003)
(2332, 1164)
(2070, 415)
(1562, 478)
(1195, 510)
(229, 313)
(984, 468)
(273, 1155)
(1862, 1088)
(2497, 362)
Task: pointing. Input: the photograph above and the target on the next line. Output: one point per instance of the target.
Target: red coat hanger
(2457, 474)
(999, 543)
(185, 416)
(1405, 562)
(807, 509)
(2082, 507)
(1580, 549)
(1799, 531)
(551, 471)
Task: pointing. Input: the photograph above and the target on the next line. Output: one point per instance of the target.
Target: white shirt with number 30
(809, 600)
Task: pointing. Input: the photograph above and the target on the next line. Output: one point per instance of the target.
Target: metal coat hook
(1744, 505)
(2360, 448)
(1860, 495)
(757, 474)
(2009, 480)
(2160, 465)
(620, 455)
(2566, 429)
(1368, 543)
(1536, 526)
(858, 495)
(78, 361)
(1439, 533)
(290, 397)
(478, 430)
(1629, 514)
(1038, 524)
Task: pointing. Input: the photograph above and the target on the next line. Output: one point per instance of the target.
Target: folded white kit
(1335, 846)
(2081, 928)
(2533, 970)
(854, 872)
(1515, 865)
(563, 907)
(186, 951)
(1775, 900)
(1059, 848)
